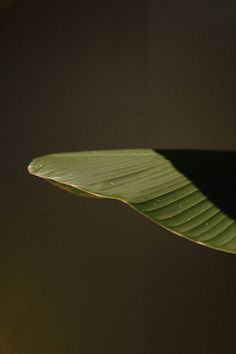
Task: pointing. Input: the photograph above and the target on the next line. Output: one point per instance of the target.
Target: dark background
(90, 276)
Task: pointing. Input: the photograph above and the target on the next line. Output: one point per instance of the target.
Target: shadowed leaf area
(213, 172)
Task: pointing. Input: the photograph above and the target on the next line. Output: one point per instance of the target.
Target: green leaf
(148, 182)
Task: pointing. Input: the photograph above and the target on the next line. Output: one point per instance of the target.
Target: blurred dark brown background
(93, 277)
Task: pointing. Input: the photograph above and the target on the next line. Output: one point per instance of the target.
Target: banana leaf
(188, 192)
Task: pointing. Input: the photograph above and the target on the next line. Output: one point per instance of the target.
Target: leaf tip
(32, 167)
(29, 168)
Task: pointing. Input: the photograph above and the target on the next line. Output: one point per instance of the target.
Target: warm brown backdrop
(92, 277)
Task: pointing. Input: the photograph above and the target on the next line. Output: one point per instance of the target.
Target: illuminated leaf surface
(148, 182)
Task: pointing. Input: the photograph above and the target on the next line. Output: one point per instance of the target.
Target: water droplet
(207, 223)
(155, 204)
(188, 219)
(111, 182)
(180, 205)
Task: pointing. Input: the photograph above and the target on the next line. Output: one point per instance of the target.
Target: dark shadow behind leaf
(213, 172)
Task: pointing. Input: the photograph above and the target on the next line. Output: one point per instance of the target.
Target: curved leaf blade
(149, 183)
